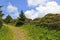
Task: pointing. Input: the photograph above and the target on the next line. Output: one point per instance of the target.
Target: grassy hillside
(6, 33)
(46, 28)
(33, 32)
(41, 33)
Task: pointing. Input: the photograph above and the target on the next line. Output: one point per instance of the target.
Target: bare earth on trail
(18, 34)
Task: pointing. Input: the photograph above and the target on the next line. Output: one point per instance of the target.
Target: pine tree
(8, 19)
(1, 13)
(22, 16)
(21, 19)
(1, 17)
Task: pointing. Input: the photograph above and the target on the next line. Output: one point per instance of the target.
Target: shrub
(19, 24)
(8, 19)
(1, 24)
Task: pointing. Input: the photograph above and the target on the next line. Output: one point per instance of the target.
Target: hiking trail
(18, 34)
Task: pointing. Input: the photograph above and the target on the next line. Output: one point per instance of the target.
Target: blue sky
(20, 4)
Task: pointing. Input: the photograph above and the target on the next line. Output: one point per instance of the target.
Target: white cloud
(36, 2)
(12, 10)
(31, 14)
(50, 7)
(42, 10)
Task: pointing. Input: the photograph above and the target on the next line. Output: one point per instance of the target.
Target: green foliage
(1, 13)
(1, 17)
(22, 15)
(51, 21)
(19, 23)
(41, 33)
(21, 19)
(46, 28)
(8, 19)
(1, 24)
(6, 33)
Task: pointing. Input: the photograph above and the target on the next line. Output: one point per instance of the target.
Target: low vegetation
(6, 33)
(46, 28)
(41, 33)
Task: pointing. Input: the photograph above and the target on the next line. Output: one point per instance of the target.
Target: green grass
(40, 33)
(33, 32)
(5, 33)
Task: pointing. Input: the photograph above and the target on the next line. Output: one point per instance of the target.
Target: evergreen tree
(8, 19)
(1, 13)
(1, 17)
(21, 19)
(22, 16)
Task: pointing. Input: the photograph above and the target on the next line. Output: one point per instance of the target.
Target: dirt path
(18, 34)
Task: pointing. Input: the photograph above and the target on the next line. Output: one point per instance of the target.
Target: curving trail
(18, 34)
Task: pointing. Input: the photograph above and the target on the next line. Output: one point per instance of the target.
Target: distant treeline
(19, 21)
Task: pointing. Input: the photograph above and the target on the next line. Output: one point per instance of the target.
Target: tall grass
(5, 33)
(40, 33)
